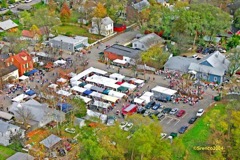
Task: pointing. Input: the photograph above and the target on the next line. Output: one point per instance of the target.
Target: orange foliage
(65, 13)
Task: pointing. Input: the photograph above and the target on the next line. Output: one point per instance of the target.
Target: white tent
(101, 104)
(85, 99)
(62, 80)
(146, 98)
(138, 100)
(75, 83)
(129, 86)
(23, 78)
(88, 86)
(116, 94)
(64, 93)
(120, 61)
(54, 86)
(148, 94)
(102, 117)
(78, 89)
(96, 94)
(117, 76)
(164, 90)
(109, 98)
(20, 97)
(59, 62)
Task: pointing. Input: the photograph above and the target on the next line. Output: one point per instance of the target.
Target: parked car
(153, 114)
(70, 130)
(166, 110)
(28, 1)
(200, 113)
(111, 120)
(182, 129)
(123, 124)
(67, 146)
(150, 105)
(146, 113)
(173, 111)
(161, 116)
(73, 141)
(180, 113)
(141, 110)
(161, 99)
(11, 6)
(172, 135)
(128, 127)
(61, 152)
(3, 9)
(192, 120)
(163, 135)
(156, 106)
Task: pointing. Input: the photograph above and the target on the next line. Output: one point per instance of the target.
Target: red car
(180, 113)
(68, 146)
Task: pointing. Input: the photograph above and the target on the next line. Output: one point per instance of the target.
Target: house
(105, 25)
(211, 68)
(40, 114)
(134, 7)
(30, 35)
(21, 156)
(147, 41)
(8, 25)
(121, 52)
(70, 44)
(6, 72)
(8, 130)
(23, 61)
(51, 141)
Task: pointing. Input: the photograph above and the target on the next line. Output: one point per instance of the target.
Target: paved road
(14, 10)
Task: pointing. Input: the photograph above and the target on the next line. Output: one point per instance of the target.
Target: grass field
(5, 152)
(198, 134)
(76, 31)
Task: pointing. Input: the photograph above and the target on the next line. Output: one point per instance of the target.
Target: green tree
(233, 42)
(25, 18)
(11, 1)
(4, 4)
(79, 108)
(155, 57)
(236, 18)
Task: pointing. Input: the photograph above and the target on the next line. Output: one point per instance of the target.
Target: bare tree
(25, 115)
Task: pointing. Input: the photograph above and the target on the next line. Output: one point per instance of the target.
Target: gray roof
(4, 56)
(179, 63)
(50, 141)
(21, 156)
(141, 5)
(206, 69)
(5, 126)
(217, 60)
(39, 111)
(123, 51)
(7, 70)
(107, 20)
(72, 40)
(150, 39)
(8, 24)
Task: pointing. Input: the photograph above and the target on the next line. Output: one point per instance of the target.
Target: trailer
(129, 109)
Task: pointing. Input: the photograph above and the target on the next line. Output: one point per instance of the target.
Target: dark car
(3, 9)
(161, 99)
(153, 114)
(141, 110)
(173, 134)
(156, 106)
(150, 105)
(192, 120)
(180, 113)
(182, 129)
(166, 110)
(62, 152)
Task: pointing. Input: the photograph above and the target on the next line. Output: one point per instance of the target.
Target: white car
(27, 1)
(163, 135)
(146, 113)
(128, 127)
(200, 113)
(123, 124)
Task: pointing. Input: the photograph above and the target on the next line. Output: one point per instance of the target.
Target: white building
(147, 41)
(105, 25)
(71, 44)
(8, 130)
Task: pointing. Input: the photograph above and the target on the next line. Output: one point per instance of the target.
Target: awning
(192, 72)
(20, 97)
(85, 99)
(87, 92)
(31, 72)
(82, 84)
(110, 98)
(116, 94)
(96, 94)
(65, 107)
(101, 104)
(53, 86)
(64, 93)
(22, 78)
(138, 100)
(88, 86)
(78, 89)
(98, 89)
(30, 92)
(106, 91)
(122, 89)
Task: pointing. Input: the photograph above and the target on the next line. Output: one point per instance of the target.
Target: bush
(68, 34)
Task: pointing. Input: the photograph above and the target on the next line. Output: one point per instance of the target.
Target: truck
(129, 109)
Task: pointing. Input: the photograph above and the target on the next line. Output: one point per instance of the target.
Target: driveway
(14, 10)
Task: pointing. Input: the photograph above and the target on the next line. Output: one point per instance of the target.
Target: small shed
(51, 141)
(79, 122)
(21, 156)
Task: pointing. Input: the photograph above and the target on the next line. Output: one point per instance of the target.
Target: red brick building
(23, 61)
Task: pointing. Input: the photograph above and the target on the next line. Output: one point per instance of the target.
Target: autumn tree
(25, 115)
(52, 6)
(99, 13)
(16, 44)
(234, 58)
(34, 29)
(155, 56)
(65, 13)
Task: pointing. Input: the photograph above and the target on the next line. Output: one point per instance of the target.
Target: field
(5, 152)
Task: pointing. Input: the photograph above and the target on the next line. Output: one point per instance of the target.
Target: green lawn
(198, 134)
(39, 5)
(5, 152)
(76, 30)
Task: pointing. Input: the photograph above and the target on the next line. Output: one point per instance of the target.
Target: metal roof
(21, 156)
(8, 24)
(50, 141)
(72, 40)
(150, 39)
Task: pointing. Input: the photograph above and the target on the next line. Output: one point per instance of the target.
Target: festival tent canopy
(65, 107)
(20, 97)
(96, 94)
(53, 86)
(122, 89)
(64, 93)
(23, 78)
(78, 89)
(110, 98)
(88, 86)
(138, 100)
(87, 92)
(31, 72)
(30, 92)
(85, 99)
(101, 104)
(116, 94)
(128, 85)
(97, 89)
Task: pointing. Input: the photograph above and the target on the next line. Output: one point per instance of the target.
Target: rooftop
(21, 156)
(72, 40)
(123, 51)
(8, 24)
(4, 71)
(5, 126)
(150, 39)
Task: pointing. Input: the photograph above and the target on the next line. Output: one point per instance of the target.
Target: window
(23, 65)
(135, 45)
(215, 79)
(142, 46)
